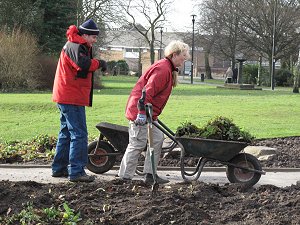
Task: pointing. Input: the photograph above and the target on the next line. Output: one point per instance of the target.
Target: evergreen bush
(284, 77)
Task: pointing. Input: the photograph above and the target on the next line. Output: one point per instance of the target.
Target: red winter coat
(74, 78)
(158, 82)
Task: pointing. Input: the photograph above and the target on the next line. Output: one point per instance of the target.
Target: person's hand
(102, 65)
(141, 119)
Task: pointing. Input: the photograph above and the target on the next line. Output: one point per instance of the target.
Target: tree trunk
(259, 71)
(296, 76)
(270, 69)
(152, 52)
(296, 89)
(207, 66)
(296, 82)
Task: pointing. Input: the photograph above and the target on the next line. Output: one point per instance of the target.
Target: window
(132, 53)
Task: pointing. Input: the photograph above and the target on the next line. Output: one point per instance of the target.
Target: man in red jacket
(158, 82)
(72, 91)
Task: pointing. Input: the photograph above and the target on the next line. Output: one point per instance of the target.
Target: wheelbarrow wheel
(237, 175)
(97, 163)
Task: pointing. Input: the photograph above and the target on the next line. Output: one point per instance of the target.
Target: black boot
(149, 179)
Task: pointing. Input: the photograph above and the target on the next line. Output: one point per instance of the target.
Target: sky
(180, 16)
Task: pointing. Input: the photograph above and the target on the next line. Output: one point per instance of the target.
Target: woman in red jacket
(158, 81)
(72, 91)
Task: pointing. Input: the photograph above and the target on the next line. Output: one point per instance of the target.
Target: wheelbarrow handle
(149, 113)
(141, 102)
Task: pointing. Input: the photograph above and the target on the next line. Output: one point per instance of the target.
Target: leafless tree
(105, 11)
(268, 21)
(151, 14)
(220, 24)
(268, 28)
(209, 27)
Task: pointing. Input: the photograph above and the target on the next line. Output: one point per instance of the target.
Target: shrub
(111, 65)
(18, 60)
(45, 78)
(124, 68)
(250, 75)
(116, 68)
(283, 77)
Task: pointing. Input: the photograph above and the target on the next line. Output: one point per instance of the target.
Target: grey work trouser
(137, 143)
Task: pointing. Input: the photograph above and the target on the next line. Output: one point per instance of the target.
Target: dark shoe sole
(159, 181)
(60, 174)
(84, 178)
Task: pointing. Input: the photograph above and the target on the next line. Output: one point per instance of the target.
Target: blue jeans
(71, 150)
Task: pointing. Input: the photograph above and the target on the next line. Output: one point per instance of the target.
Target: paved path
(42, 174)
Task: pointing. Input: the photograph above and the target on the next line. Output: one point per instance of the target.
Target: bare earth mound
(116, 202)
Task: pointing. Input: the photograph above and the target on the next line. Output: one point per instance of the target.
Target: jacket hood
(73, 36)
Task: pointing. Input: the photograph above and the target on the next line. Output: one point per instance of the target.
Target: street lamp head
(193, 15)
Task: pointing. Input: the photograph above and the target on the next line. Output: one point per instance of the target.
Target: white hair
(176, 47)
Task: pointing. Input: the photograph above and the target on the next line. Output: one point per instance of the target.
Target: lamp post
(192, 66)
(273, 46)
(160, 46)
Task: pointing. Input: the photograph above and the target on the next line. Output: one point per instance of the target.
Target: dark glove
(102, 65)
(141, 119)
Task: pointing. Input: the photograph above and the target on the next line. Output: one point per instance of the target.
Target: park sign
(187, 68)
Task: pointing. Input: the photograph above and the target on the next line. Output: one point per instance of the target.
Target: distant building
(130, 45)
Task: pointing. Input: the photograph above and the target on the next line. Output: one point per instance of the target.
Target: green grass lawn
(264, 113)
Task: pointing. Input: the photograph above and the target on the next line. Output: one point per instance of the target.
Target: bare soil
(116, 202)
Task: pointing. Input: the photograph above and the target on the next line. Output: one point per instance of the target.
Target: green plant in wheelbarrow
(222, 141)
(220, 128)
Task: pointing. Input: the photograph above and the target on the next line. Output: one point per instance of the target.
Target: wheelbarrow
(241, 167)
(112, 142)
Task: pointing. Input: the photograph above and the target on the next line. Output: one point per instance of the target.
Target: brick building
(129, 45)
